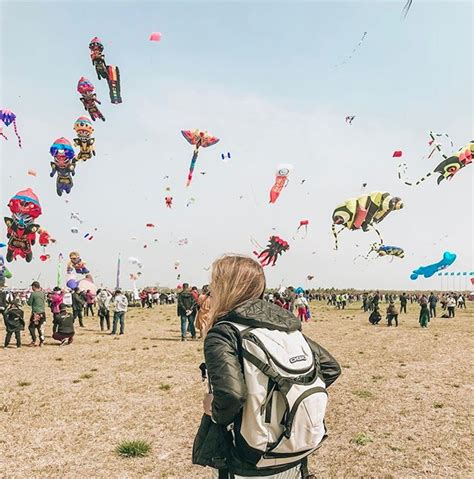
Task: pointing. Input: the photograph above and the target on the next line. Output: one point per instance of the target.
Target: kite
(310, 277)
(63, 166)
(350, 119)
(84, 131)
(88, 236)
(4, 272)
(406, 8)
(275, 247)
(199, 139)
(8, 117)
(303, 224)
(21, 229)
(447, 168)
(169, 201)
(89, 98)
(353, 51)
(44, 257)
(76, 264)
(224, 157)
(281, 181)
(176, 264)
(385, 250)
(150, 225)
(98, 59)
(74, 230)
(45, 238)
(430, 270)
(397, 154)
(135, 261)
(32, 173)
(155, 37)
(183, 242)
(114, 84)
(363, 212)
(75, 216)
(190, 202)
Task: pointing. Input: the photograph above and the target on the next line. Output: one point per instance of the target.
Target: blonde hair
(235, 279)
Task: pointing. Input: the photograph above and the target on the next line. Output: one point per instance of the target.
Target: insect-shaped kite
(199, 139)
(363, 212)
(350, 119)
(386, 250)
(447, 168)
(281, 180)
(8, 117)
(275, 247)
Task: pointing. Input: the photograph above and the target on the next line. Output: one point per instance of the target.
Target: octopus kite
(363, 212)
(275, 247)
(8, 118)
(98, 59)
(21, 229)
(84, 130)
(199, 139)
(63, 166)
(89, 98)
(447, 168)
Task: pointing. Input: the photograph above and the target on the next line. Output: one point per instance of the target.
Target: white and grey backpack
(282, 420)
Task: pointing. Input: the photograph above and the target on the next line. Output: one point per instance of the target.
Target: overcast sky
(263, 78)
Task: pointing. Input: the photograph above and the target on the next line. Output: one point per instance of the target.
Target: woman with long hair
(238, 286)
(203, 315)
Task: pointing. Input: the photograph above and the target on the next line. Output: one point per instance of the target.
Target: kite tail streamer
(1, 134)
(335, 233)
(117, 284)
(402, 168)
(16, 133)
(191, 167)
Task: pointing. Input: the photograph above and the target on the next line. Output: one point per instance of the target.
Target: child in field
(14, 323)
(65, 326)
(392, 314)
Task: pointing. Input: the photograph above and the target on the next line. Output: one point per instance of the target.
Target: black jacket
(224, 366)
(65, 323)
(14, 320)
(77, 301)
(186, 302)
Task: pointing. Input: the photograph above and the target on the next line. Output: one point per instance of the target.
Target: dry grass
(409, 393)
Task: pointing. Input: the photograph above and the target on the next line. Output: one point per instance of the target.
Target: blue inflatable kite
(430, 270)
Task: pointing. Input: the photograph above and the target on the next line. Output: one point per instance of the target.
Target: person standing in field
(37, 301)
(204, 305)
(424, 317)
(392, 314)
(77, 306)
(187, 311)
(403, 303)
(14, 323)
(120, 308)
(432, 300)
(451, 306)
(103, 308)
(56, 301)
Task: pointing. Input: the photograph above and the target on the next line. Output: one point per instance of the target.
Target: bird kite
(363, 212)
(199, 139)
(8, 118)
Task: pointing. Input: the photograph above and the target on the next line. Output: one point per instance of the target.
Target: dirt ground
(64, 410)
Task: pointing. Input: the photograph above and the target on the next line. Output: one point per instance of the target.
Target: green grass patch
(133, 448)
(361, 439)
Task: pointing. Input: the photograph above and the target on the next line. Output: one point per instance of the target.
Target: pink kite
(397, 154)
(155, 37)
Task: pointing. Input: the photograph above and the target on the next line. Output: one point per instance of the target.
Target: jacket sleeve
(330, 368)
(225, 374)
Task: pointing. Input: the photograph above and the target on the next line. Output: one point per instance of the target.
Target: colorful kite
(155, 37)
(84, 130)
(89, 98)
(397, 154)
(385, 250)
(447, 168)
(303, 224)
(428, 271)
(275, 247)
(21, 229)
(98, 59)
(363, 212)
(350, 119)
(169, 201)
(8, 117)
(225, 157)
(76, 264)
(63, 165)
(199, 139)
(114, 84)
(281, 181)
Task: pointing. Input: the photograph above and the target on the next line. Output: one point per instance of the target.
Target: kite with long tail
(199, 139)
(447, 168)
(8, 117)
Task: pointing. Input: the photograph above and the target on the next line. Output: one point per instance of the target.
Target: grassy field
(400, 409)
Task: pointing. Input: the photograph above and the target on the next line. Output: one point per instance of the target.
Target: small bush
(85, 376)
(164, 387)
(361, 439)
(23, 384)
(133, 449)
(363, 393)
